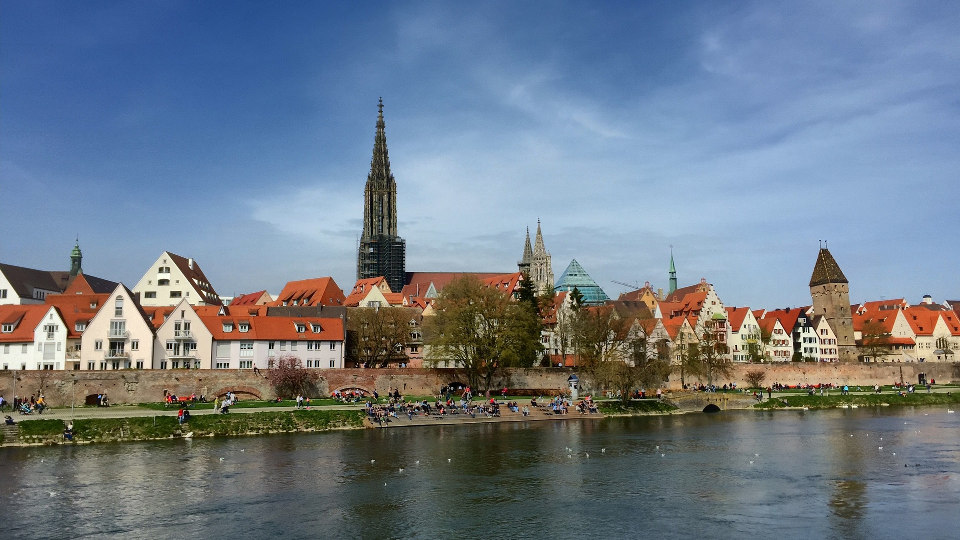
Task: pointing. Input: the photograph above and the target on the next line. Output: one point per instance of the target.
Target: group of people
(25, 406)
(173, 399)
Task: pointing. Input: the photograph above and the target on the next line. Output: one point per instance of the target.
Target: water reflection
(820, 473)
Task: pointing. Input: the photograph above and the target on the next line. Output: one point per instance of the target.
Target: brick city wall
(133, 386)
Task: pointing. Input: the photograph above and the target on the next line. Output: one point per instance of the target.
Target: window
(270, 346)
(223, 350)
(7, 328)
(223, 365)
(293, 345)
(98, 345)
(135, 345)
(333, 345)
(175, 294)
(301, 327)
(91, 366)
(246, 349)
(163, 282)
(3, 293)
(80, 326)
(139, 364)
(333, 363)
(118, 307)
(6, 348)
(283, 345)
(228, 327)
(316, 328)
(163, 364)
(163, 270)
(150, 294)
(244, 327)
(246, 364)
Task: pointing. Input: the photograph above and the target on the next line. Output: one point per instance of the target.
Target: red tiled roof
(788, 317)
(274, 328)
(310, 292)
(74, 308)
(419, 282)
(922, 321)
(676, 295)
(249, 299)
(157, 314)
(736, 315)
(952, 321)
(25, 317)
(362, 288)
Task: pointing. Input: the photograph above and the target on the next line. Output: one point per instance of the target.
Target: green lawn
(835, 400)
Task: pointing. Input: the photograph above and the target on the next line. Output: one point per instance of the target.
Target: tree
(481, 331)
(754, 347)
(597, 331)
(688, 357)
(376, 336)
(755, 378)
(576, 298)
(288, 377)
(875, 341)
(713, 354)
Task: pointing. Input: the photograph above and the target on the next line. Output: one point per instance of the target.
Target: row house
(244, 340)
(372, 292)
(890, 332)
(779, 344)
(743, 335)
(119, 336)
(826, 340)
(322, 291)
(32, 337)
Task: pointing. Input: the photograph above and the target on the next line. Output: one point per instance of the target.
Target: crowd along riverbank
(145, 424)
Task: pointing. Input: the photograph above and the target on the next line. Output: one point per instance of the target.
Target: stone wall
(133, 386)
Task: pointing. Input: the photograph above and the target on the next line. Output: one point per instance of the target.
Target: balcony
(116, 355)
(183, 334)
(182, 355)
(117, 333)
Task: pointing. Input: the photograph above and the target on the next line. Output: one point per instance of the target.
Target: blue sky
(240, 134)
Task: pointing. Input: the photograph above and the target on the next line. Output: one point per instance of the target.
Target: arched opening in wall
(240, 393)
(350, 394)
(711, 408)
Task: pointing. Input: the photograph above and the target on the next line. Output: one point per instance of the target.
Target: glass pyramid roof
(576, 276)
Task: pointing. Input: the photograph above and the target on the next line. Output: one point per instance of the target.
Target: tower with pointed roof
(527, 258)
(673, 274)
(381, 251)
(76, 257)
(541, 268)
(830, 292)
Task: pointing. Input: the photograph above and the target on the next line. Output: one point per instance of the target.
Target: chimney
(190, 263)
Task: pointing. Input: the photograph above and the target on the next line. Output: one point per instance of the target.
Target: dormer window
(93, 305)
(244, 327)
(80, 326)
(7, 328)
(228, 327)
(301, 327)
(316, 328)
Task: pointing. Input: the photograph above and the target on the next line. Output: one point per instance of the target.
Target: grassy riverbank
(207, 425)
(634, 407)
(781, 401)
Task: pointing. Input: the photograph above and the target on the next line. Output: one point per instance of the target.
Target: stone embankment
(63, 388)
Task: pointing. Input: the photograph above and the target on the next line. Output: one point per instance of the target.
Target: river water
(746, 474)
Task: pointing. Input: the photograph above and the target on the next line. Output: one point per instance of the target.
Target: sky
(740, 134)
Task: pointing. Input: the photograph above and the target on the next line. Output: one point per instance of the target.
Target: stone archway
(711, 408)
(241, 392)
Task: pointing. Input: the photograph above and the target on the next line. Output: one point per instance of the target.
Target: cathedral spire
(527, 253)
(673, 273)
(381, 252)
(538, 247)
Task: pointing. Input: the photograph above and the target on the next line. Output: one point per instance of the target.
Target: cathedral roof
(826, 270)
(527, 250)
(576, 276)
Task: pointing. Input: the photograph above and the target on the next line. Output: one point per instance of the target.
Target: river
(854, 473)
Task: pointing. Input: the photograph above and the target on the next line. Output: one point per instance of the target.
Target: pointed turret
(826, 270)
(76, 257)
(673, 274)
(524, 264)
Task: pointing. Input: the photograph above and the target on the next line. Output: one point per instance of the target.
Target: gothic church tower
(382, 252)
(536, 263)
(830, 292)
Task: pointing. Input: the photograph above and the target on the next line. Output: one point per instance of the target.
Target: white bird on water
(221, 459)
(449, 460)
(603, 450)
(401, 469)
(588, 454)
(373, 461)
(417, 462)
(950, 411)
(662, 455)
